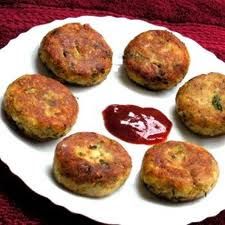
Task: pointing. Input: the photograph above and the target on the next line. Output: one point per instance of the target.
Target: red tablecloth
(203, 21)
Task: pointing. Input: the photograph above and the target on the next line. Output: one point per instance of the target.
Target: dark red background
(201, 20)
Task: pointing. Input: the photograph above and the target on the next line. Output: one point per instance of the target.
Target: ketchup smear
(137, 125)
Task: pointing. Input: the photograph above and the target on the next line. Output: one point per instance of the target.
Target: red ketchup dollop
(137, 125)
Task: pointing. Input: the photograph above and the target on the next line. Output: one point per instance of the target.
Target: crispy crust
(77, 54)
(179, 171)
(156, 59)
(200, 104)
(41, 107)
(91, 164)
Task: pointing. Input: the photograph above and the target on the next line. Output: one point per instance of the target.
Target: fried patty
(200, 104)
(179, 171)
(91, 164)
(156, 59)
(77, 54)
(41, 107)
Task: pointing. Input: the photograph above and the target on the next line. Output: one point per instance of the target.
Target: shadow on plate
(210, 142)
(41, 145)
(124, 79)
(50, 174)
(42, 69)
(148, 196)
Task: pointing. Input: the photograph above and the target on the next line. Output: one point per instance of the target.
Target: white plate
(132, 203)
